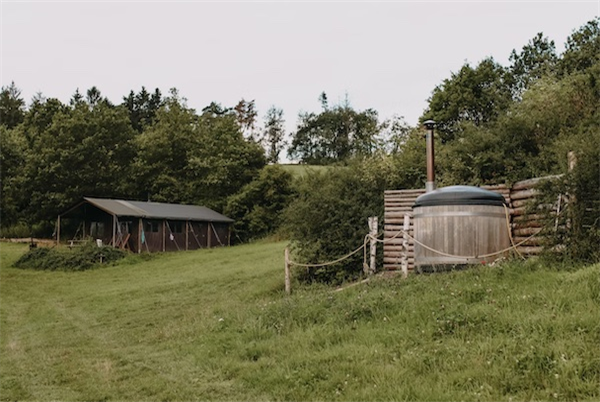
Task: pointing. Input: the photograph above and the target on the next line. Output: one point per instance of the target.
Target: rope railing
(369, 236)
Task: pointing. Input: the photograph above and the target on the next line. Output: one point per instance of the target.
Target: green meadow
(217, 325)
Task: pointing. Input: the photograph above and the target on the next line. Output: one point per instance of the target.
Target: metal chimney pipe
(430, 185)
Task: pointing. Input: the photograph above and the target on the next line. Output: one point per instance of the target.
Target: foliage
(274, 134)
(216, 325)
(142, 107)
(12, 106)
(328, 219)
(163, 152)
(393, 134)
(576, 233)
(86, 256)
(473, 160)
(39, 117)
(476, 95)
(224, 163)
(334, 135)
(84, 151)
(194, 159)
(245, 114)
(257, 207)
(582, 48)
(12, 160)
(537, 59)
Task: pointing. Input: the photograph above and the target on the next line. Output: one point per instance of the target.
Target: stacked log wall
(518, 197)
(397, 204)
(525, 224)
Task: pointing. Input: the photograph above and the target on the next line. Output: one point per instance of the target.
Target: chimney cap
(429, 124)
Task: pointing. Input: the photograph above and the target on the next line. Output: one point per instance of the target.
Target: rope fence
(403, 232)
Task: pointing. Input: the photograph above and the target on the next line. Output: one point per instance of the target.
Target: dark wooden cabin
(146, 226)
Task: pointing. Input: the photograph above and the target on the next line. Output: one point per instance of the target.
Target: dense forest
(495, 124)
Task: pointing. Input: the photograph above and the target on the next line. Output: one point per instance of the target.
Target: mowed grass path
(216, 325)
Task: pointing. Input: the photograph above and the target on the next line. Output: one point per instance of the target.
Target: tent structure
(146, 226)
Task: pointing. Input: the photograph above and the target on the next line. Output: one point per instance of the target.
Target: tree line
(494, 124)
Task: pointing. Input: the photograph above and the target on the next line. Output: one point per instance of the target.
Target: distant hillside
(217, 325)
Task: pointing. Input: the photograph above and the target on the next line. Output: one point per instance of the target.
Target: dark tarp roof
(157, 210)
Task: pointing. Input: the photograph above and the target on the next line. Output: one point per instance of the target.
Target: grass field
(216, 325)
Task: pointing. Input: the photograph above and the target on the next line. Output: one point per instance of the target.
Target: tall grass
(216, 325)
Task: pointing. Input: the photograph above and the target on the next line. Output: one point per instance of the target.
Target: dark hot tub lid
(459, 195)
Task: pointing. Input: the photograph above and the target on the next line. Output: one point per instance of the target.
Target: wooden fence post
(571, 160)
(373, 242)
(405, 228)
(288, 284)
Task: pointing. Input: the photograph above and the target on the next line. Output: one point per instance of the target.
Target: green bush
(257, 207)
(577, 235)
(21, 230)
(81, 258)
(329, 218)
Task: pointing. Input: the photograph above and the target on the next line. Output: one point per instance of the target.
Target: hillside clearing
(216, 325)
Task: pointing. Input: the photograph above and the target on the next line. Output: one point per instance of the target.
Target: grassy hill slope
(216, 325)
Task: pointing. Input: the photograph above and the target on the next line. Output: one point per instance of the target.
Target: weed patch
(80, 258)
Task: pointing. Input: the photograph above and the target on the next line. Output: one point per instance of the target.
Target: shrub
(81, 258)
(328, 219)
(257, 207)
(577, 234)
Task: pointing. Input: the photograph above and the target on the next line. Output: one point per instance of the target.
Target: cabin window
(151, 226)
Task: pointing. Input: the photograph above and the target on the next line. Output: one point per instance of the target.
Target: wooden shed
(145, 226)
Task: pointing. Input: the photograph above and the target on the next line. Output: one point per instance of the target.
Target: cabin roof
(157, 210)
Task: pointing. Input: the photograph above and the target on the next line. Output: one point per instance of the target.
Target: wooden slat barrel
(462, 224)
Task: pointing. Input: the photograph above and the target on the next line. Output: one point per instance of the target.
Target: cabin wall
(99, 226)
(175, 235)
(152, 237)
(198, 235)
(220, 234)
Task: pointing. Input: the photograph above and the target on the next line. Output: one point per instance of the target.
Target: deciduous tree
(537, 59)
(334, 135)
(274, 134)
(476, 95)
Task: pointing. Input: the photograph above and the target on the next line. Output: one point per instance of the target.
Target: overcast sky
(388, 56)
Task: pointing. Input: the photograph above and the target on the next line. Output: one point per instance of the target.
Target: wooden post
(187, 230)
(58, 231)
(373, 243)
(209, 235)
(572, 220)
(405, 228)
(288, 284)
(114, 231)
(164, 237)
(571, 160)
(140, 231)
